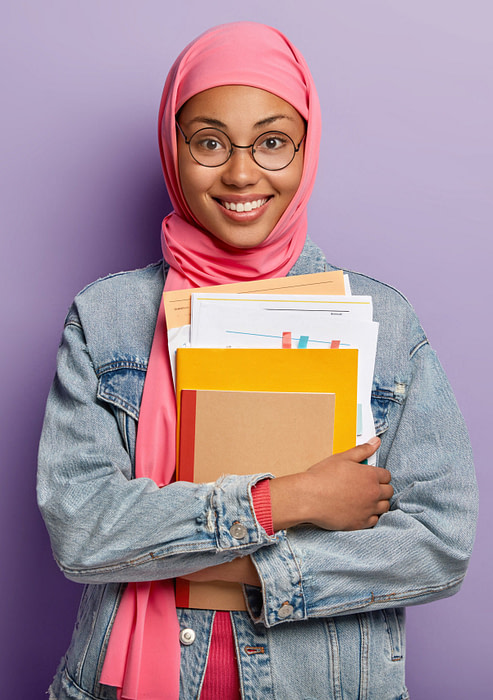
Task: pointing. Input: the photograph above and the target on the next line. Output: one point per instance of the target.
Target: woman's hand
(338, 493)
(240, 570)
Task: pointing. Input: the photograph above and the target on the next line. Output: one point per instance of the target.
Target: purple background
(404, 193)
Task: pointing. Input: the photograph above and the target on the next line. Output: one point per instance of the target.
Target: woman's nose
(241, 170)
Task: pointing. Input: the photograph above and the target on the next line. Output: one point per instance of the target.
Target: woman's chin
(238, 241)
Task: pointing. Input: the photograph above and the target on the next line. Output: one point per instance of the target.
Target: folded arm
(417, 551)
(104, 525)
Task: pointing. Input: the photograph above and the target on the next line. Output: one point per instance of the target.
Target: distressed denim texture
(345, 637)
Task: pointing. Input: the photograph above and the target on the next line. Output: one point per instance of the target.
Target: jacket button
(187, 636)
(238, 531)
(285, 611)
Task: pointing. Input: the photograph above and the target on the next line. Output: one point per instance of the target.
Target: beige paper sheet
(177, 302)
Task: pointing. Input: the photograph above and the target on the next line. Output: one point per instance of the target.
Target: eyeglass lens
(273, 150)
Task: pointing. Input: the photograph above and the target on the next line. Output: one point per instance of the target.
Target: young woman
(330, 556)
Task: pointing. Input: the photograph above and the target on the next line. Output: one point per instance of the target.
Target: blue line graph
(265, 335)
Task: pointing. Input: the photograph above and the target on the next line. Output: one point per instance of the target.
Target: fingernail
(374, 441)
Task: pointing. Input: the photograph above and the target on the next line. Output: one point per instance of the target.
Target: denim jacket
(328, 622)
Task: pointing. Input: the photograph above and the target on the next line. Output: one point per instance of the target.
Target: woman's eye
(211, 145)
(273, 143)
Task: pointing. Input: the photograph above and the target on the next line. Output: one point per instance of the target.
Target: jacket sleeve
(418, 551)
(107, 527)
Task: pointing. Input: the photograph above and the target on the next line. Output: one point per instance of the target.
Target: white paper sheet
(212, 313)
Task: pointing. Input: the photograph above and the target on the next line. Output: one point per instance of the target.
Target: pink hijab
(143, 655)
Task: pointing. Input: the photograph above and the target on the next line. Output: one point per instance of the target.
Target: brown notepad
(246, 432)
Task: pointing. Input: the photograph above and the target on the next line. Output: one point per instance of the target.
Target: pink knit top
(221, 676)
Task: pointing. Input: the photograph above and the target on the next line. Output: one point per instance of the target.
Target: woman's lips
(244, 210)
(243, 206)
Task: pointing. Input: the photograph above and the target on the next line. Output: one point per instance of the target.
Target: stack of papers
(270, 376)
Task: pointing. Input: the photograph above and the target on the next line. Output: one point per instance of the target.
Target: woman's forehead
(238, 104)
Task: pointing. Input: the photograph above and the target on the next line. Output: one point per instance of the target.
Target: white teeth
(243, 206)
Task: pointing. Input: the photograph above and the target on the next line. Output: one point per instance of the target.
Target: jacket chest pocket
(120, 386)
(380, 409)
(384, 396)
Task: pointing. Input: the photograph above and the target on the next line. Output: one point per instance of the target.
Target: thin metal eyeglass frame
(235, 145)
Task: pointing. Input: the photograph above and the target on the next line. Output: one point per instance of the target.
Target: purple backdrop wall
(404, 193)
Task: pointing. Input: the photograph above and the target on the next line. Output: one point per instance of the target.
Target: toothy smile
(243, 206)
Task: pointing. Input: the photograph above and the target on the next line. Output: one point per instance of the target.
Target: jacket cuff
(232, 516)
(281, 598)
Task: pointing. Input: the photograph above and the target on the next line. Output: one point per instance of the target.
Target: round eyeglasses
(272, 150)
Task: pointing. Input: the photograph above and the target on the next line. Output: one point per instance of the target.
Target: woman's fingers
(341, 492)
(362, 452)
(384, 475)
(386, 492)
(382, 507)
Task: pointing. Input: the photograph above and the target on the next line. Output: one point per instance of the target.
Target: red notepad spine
(187, 435)
(185, 470)
(182, 593)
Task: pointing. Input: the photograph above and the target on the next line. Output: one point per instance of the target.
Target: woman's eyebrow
(221, 125)
(208, 120)
(271, 120)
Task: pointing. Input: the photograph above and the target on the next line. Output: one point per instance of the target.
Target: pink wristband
(262, 505)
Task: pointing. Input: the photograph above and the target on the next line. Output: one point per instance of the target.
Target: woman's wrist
(288, 502)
